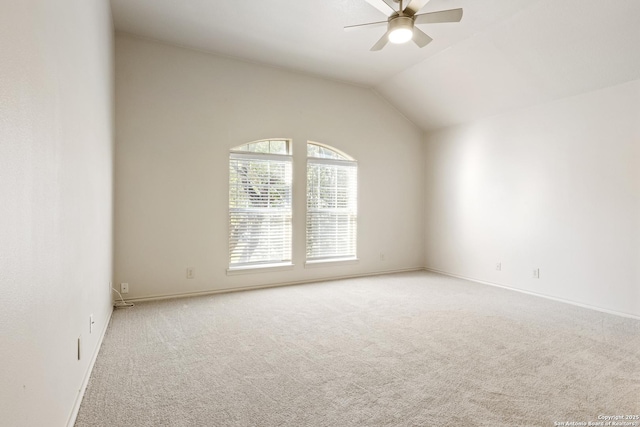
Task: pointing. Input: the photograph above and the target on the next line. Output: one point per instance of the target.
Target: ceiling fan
(401, 23)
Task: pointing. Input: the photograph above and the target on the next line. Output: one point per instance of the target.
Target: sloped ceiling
(504, 54)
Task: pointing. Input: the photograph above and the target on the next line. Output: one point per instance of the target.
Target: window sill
(331, 262)
(263, 268)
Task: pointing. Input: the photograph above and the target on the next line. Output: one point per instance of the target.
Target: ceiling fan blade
(382, 42)
(368, 25)
(414, 6)
(382, 6)
(451, 15)
(420, 38)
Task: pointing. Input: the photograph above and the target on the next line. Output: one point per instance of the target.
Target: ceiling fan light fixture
(400, 29)
(400, 35)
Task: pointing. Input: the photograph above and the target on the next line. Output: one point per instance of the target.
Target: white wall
(56, 114)
(178, 112)
(555, 187)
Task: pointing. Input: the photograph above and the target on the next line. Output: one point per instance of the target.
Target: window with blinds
(332, 204)
(260, 204)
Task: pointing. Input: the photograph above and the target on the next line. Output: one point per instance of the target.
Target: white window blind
(259, 209)
(332, 207)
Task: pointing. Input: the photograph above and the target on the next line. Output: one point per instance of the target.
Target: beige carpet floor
(411, 349)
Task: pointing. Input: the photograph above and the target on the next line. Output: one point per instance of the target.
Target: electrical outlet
(190, 272)
(381, 256)
(499, 266)
(91, 323)
(536, 273)
(124, 288)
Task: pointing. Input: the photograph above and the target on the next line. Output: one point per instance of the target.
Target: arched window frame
(260, 204)
(332, 205)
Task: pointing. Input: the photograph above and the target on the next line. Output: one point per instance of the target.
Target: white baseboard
(87, 375)
(549, 297)
(272, 285)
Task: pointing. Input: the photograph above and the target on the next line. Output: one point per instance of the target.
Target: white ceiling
(504, 54)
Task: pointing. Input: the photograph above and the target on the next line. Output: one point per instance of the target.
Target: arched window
(332, 204)
(260, 204)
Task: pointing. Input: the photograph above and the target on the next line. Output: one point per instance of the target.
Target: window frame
(237, 153)
(346, 160)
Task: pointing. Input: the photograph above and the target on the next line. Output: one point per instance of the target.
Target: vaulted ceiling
(505, 54)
